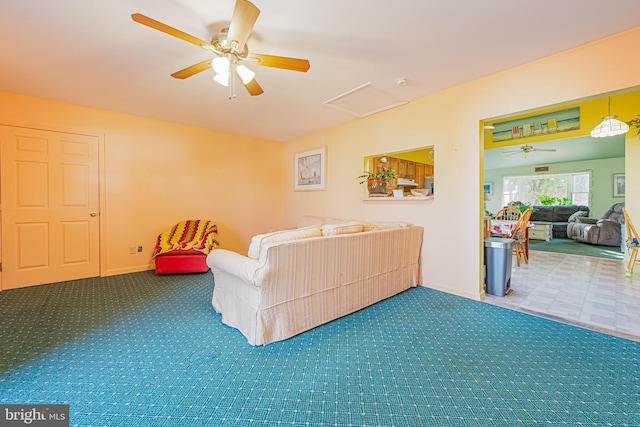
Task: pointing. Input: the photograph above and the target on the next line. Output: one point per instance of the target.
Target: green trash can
(498, 258)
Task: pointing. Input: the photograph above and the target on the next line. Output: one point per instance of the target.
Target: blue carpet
(141, 349)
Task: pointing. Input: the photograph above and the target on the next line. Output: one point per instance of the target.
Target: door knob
(93, 213)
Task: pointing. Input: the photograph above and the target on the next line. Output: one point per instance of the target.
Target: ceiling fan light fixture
(610, 126)
(222, 78)
(246, 75)
(220, 65)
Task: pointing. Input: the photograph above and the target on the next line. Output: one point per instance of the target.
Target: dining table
(505, 226)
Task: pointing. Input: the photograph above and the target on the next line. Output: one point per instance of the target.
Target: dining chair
(507, 214)
(487, 226)
(512, 214)
(520, 236)
(633, 243)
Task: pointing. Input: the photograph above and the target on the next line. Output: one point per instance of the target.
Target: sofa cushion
(260, 240)
(562, 213)
(318, 221)
(368, 226)
(559, 229)
(342, 228)
(574, 216)
(615, 213)
(556, 213)
(542, 213)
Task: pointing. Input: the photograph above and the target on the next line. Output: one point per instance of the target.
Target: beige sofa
(294, 280)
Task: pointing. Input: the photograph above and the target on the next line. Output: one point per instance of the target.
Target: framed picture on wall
(618, 185)
(488, 188)
(311, 170)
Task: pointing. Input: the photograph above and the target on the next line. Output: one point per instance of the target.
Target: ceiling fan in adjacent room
(230, 50)
(526, 149)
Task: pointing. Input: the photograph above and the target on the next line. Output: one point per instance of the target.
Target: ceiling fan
(526, 149)
(230, 49)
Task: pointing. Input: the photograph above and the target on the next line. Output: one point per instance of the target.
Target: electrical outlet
(132, 250)
(139, 248)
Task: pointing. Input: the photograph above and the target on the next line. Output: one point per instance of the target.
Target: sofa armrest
(610, 232)
(583, 220)
(609, 223)
(233, 263)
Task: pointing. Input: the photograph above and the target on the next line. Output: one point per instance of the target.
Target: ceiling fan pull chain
(232, 80)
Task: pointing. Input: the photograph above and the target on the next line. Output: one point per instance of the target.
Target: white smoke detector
(401, 81)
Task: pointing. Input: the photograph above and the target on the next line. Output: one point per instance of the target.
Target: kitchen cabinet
(404, 169)
(420, 167)
(411, 170)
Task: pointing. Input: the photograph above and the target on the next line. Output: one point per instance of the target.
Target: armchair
(606, 231)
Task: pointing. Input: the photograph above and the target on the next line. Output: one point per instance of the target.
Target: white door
(49, 201)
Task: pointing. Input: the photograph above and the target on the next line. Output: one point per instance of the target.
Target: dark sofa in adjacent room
(558, 215)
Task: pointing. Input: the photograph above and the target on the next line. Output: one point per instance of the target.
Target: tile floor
(585, 291)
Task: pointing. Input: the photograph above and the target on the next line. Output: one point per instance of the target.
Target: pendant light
(610, 126)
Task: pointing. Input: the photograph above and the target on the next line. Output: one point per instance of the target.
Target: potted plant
(521, 206)
(546, 200)
(377, 181)
(550, 201)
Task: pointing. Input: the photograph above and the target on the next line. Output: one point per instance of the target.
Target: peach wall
(154, 174)
(450, 120)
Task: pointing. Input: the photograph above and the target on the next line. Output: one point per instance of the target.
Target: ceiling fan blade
(157, 25)
(252, 87)
(511, 153)
(244, 17)
(293, 64)
(194, 69)
(544, 149)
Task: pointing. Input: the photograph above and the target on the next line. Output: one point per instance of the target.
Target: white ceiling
(567, 150)
(91, 53)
